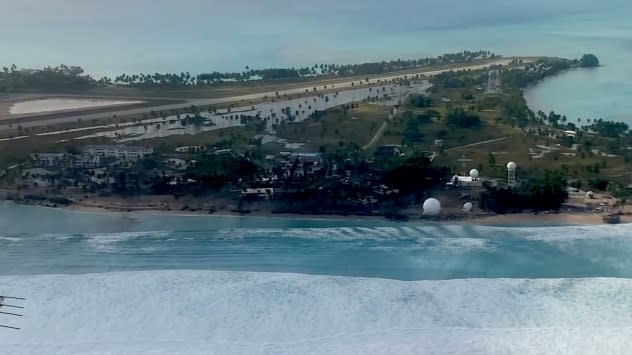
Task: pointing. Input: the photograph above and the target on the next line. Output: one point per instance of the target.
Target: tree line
(73, 77)
(540, 192)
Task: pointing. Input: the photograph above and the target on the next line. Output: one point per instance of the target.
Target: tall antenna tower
(9, 310)
(511, 173)
(463, 162)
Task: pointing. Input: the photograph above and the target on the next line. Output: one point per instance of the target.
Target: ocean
(69, 242)
(114, 37)
(167, 284)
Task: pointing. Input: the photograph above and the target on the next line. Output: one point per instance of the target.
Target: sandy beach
(229, 207)
(60, 104)
(4, 109)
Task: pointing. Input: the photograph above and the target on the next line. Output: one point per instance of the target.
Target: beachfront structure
(258, 193)
(130, 153)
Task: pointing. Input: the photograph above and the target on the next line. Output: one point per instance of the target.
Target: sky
(159, 35)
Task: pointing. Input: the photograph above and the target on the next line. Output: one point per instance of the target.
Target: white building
(130, 153)
(260, 193)
(463, 181)
(52, 159)
(189, 149)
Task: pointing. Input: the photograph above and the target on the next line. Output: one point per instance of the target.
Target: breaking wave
(200, 312)
(405, 252)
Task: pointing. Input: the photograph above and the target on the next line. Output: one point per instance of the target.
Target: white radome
(432, 207)
(467, 207)
(474, 174)
(512, 166)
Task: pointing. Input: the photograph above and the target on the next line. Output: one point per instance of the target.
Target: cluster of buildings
(475, 181)
(93, 156)
(93, 164)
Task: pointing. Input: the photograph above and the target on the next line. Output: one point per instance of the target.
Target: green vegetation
(458, 79)
(65, 77)
(414, 175)
(608, 128)
(589, 61)
(418, 100)
(413, 133)
(538, 192)
(353, 123)
(458, 117)
(211, 173)
(344, 70)
(520, 78)
(57, 78)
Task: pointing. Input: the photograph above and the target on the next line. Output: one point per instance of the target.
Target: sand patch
(64, 104)
(4, 109)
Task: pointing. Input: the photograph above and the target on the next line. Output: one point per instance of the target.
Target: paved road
(216, 101)
(377, 136)
(477, 143)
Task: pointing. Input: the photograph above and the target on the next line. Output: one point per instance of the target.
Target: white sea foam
(10, 239)
(108, 242)
(201, 312)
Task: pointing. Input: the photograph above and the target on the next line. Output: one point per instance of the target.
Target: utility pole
(10, 309)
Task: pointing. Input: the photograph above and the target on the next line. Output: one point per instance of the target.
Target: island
(374, 139)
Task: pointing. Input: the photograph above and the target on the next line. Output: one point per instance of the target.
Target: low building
(131, 153)
(39, 177)
(176, 163)
(258, 193)
(463, 181)
(189, 149)
(300, 164)
(53, 159)
(65, 160)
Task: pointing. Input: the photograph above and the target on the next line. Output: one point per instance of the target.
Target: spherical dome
(474, 174)
(512, 166)
(467, 207)
(432, 207)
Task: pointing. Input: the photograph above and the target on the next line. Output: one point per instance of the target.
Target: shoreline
(413, 216)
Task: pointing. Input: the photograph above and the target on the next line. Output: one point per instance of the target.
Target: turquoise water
(68, 242)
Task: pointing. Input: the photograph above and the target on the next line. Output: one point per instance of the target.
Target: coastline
(412, 215)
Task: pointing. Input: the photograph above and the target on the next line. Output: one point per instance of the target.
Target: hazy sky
(417, 14)
(227, 34)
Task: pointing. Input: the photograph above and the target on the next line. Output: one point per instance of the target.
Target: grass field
(357, 125)
(491, 158)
